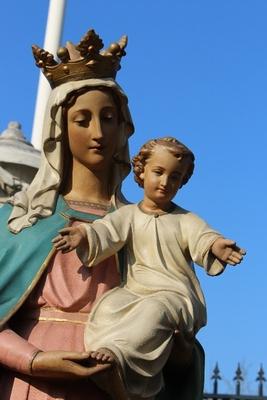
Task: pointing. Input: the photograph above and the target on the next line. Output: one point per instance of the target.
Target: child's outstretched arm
(70, 238)
(227, 251)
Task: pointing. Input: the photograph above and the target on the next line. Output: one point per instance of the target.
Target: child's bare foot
(109, 379)
(102, 355)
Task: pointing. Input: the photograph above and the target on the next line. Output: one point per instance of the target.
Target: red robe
(53, 318)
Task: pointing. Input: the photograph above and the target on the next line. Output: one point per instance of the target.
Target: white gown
(160, 292)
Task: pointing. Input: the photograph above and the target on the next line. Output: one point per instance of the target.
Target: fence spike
(238, 378)
(216, 376)
(261, 379)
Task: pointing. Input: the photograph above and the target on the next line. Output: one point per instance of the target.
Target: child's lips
(163, 191)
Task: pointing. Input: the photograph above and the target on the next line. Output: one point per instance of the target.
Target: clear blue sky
(196, 70)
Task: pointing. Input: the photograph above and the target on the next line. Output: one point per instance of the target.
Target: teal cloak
(24, 256)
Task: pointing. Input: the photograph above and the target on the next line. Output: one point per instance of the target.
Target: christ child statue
(133, 325)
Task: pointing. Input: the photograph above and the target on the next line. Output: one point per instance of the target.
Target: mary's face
(93, 126)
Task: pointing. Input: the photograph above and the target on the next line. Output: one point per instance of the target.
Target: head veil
(40, 198)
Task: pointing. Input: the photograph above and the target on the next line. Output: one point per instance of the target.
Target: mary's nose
(96, 131)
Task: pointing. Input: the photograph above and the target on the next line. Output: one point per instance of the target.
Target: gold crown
(82, 61)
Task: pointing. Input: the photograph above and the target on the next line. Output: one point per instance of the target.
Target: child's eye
(176, 177)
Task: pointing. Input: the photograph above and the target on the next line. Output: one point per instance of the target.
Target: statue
(133, 325)
(46, 297)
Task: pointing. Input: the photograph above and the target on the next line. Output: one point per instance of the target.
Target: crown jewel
(83, 61)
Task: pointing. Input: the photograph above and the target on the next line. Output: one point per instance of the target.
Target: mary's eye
(82, 118)
(108, 117)
(81, 122)
(108, 114)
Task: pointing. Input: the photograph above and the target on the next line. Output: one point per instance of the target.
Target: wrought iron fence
(238, 379)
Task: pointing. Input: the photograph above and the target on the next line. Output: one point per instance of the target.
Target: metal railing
(238, 395)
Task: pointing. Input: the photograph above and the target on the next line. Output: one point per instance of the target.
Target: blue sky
(196, 70)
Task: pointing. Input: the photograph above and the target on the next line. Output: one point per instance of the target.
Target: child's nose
(164, 180)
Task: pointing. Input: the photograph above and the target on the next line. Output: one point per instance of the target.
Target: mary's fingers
(56, 239)
(66, 249)
(64, 246)
(60, 242)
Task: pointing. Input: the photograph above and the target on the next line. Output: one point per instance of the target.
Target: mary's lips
(96, 147)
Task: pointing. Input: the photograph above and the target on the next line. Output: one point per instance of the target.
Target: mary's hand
(65, 365)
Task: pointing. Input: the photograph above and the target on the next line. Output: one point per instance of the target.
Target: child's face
(162, 176)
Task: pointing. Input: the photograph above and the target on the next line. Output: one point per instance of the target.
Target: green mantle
(24, 256)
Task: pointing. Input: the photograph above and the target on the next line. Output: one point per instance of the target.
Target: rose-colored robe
(53, 318)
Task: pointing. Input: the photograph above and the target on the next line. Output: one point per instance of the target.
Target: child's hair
(175, 147)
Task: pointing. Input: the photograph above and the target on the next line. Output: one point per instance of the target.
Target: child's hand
(227, 251)
(69, 238)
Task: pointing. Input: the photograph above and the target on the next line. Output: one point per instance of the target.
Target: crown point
(50, 59)
(73, 52)
(114, 48)
(63, 54)
(91, 50)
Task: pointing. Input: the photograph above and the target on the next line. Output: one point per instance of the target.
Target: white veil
(40, 198)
